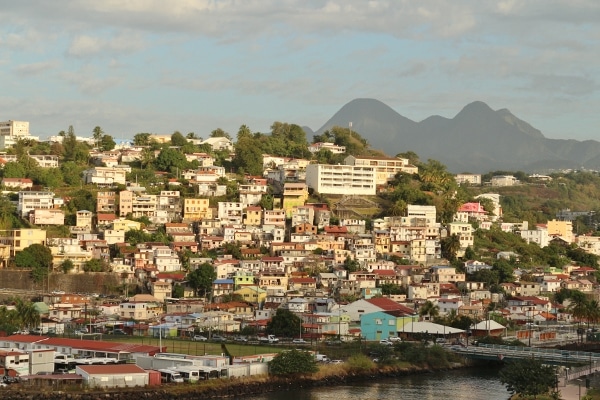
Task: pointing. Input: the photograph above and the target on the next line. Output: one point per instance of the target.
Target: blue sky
(159, 66)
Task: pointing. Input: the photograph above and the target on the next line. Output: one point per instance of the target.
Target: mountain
(478, 139)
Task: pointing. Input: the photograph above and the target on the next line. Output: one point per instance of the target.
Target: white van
(189, 374)
(168, 375)
(321, 358)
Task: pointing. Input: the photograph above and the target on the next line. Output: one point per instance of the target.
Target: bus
(168, 376)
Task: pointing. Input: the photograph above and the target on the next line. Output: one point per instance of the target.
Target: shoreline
(220, 389)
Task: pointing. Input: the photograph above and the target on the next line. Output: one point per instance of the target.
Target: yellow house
(294, 195)
(563, 229)
(126, 225)
(252, 294)
(252, 216)
(19, 239)
(196, 209)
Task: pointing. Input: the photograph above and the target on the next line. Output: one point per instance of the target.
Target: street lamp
(566, 375)
(556, 375)
(579, 383)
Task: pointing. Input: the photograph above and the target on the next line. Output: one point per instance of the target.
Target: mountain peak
(475, 108)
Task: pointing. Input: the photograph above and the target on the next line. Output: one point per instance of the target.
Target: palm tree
(579, 307)
(97, 134)
(450, 246)
(429, 309)
(28, 315)
(593, 311)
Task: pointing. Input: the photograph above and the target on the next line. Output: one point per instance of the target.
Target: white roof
(487, 325)
(430, 327)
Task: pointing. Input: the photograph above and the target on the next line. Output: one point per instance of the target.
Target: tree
(248, 156)
(34, 256)
(351, 265)
(97, 134)
(170, 160)
(220, 133)
(141, 139)
(429, 309)
(14, 170)
(177, 139)
(28, 315)
(74, 150)
(528, 377)
(107, 143)
(293, 362)
(66, 266)
(94, 265)
(284, 323)
(201, 279)
(450, 246)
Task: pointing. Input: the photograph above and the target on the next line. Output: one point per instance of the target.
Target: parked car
(333, 342)
(119, 332)
(199, 338)
(440, 340)
(299, 341)
(336, 362)
(241, 339)
(218, 338)
(386, 342)
(394, 339)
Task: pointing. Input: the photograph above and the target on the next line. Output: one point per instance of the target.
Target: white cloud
(122, 43)
(36, 68)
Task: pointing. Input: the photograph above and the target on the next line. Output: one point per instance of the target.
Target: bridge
(576, 363)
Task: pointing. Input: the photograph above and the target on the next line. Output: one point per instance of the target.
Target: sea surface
(464, 384)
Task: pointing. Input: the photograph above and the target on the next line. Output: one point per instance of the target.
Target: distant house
(17, 183)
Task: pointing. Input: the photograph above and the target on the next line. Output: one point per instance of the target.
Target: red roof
(336, 229)
(388, 304)
(106, 217)
(472, 208)
(389, 272)
(112, 369)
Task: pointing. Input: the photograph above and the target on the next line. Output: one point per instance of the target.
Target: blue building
(383, 324)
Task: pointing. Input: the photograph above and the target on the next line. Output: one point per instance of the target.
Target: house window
(378, 321)
(391, 322)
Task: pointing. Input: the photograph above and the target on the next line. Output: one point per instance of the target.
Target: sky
(159, 66)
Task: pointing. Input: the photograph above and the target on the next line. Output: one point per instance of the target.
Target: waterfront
(464, 384)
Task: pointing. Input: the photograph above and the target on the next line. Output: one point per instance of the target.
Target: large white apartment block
(471, 179)
(11, 131)
(504, 180)
(29, 201)
(105, 176)
(14, 128)
(341, 179)
(386, 168)
(426, 214)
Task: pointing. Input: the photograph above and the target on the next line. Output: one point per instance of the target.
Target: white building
(29, 201)
(341, 179)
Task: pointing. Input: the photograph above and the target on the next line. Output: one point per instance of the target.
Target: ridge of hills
(477, 140)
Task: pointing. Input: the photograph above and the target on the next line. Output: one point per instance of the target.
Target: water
(466, 384)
